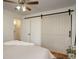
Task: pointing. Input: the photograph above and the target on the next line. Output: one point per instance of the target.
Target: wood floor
(59, 55)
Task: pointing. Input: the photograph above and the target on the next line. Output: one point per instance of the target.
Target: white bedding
(17, 42)
(25, 52)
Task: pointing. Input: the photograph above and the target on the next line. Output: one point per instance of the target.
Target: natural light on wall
(17, 27)
(14, 22)
(17, 22)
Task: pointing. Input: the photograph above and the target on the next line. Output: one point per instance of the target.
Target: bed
(25, 50)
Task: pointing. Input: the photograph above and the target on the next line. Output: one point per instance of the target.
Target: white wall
(8, 27)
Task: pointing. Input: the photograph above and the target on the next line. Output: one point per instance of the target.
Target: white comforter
(26, 52)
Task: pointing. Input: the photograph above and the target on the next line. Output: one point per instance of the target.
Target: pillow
(16, 42)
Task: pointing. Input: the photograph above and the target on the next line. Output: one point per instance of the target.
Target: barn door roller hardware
(69, 10)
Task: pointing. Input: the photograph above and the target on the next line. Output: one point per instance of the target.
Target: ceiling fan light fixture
(23, 8)
(18, 7)
(22, 5)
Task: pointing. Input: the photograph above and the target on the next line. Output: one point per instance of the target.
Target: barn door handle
(29, 34)
(70, 33)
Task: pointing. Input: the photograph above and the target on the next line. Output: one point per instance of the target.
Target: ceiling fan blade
(33, 2)
(28, 8)
(9, 1)
(21, 1)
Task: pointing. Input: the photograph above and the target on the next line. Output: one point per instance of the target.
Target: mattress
(26, 52)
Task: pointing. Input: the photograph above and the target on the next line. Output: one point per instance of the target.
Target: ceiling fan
(23, 4)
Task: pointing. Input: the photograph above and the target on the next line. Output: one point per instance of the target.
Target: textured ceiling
(44, 5)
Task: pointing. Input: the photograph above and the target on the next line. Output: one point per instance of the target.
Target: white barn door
(31, 30)
(55, 32)
(36, 30)
(25, 30)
